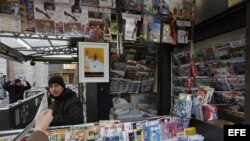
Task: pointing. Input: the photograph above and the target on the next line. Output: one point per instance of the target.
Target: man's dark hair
(49, 6)
(17, 80)
(76, 8)
(58, 80)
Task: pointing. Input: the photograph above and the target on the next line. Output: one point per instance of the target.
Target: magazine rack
(222, 64)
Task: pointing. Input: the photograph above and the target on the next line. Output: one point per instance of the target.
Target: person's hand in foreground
(43, 120)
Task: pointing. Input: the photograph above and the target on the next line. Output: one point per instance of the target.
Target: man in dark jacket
(16, 90)
(67, 108)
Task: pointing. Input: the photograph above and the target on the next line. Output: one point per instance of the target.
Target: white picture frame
(93, 62)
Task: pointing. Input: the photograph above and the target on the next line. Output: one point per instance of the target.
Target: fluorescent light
(60, 56)
(22, 42)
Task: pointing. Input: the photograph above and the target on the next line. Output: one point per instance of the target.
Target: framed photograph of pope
(93, 62)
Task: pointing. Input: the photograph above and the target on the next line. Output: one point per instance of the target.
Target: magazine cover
(237, 52)
(93, 132)
(200, 81)
(166, 35)
(210, 112)
(113, 28)
(154, 30)
(45, 27)
(200, 56)
(90, 2)
(78, 132)
(223, 72)
(116, 85)
(107, 26)
(99, 24)
(130, 26)
(119, 131)
(184, 108)
(10, 7)
(166, 133)
(223, 52)
(164, 7)
(153, 133)
(156, 7)
(188, 6)
(75, 18)
(181, 71)
(8, 138)
(105, 3)
(229, 97)
(203, 69)
(146, 85)
(133, 4)
(27, 16)
(206, 93)
(220, 84)
(238, 83)
(183, 57)
(146, 20)
(65, 1)
(76, 135)
(48, 15)
(181, 9)
(175, 7)
(10, 19)
(239, 66)
(130, 29)
(96, 32)
(59, 20)
(10, 23)
(183, 31)
(57, 136)
(147, 6)
(134, 87)
(182, 36)
(209, 54)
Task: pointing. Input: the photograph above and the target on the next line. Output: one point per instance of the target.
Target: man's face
(96, 56)
(77, 15)
(56, 89)
(19, 83)
(50, 13)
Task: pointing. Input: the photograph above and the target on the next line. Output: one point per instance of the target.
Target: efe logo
(236, 132)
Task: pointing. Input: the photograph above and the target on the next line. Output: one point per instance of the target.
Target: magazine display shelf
(233, 19)
(158, 128)
(222, 68)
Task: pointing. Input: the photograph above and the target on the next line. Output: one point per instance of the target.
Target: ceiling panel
(59, 43)
(37, 42)
(11, 42)
(28, 52)
(42, 45)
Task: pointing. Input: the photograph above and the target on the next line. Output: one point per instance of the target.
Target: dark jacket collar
(66, 92)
